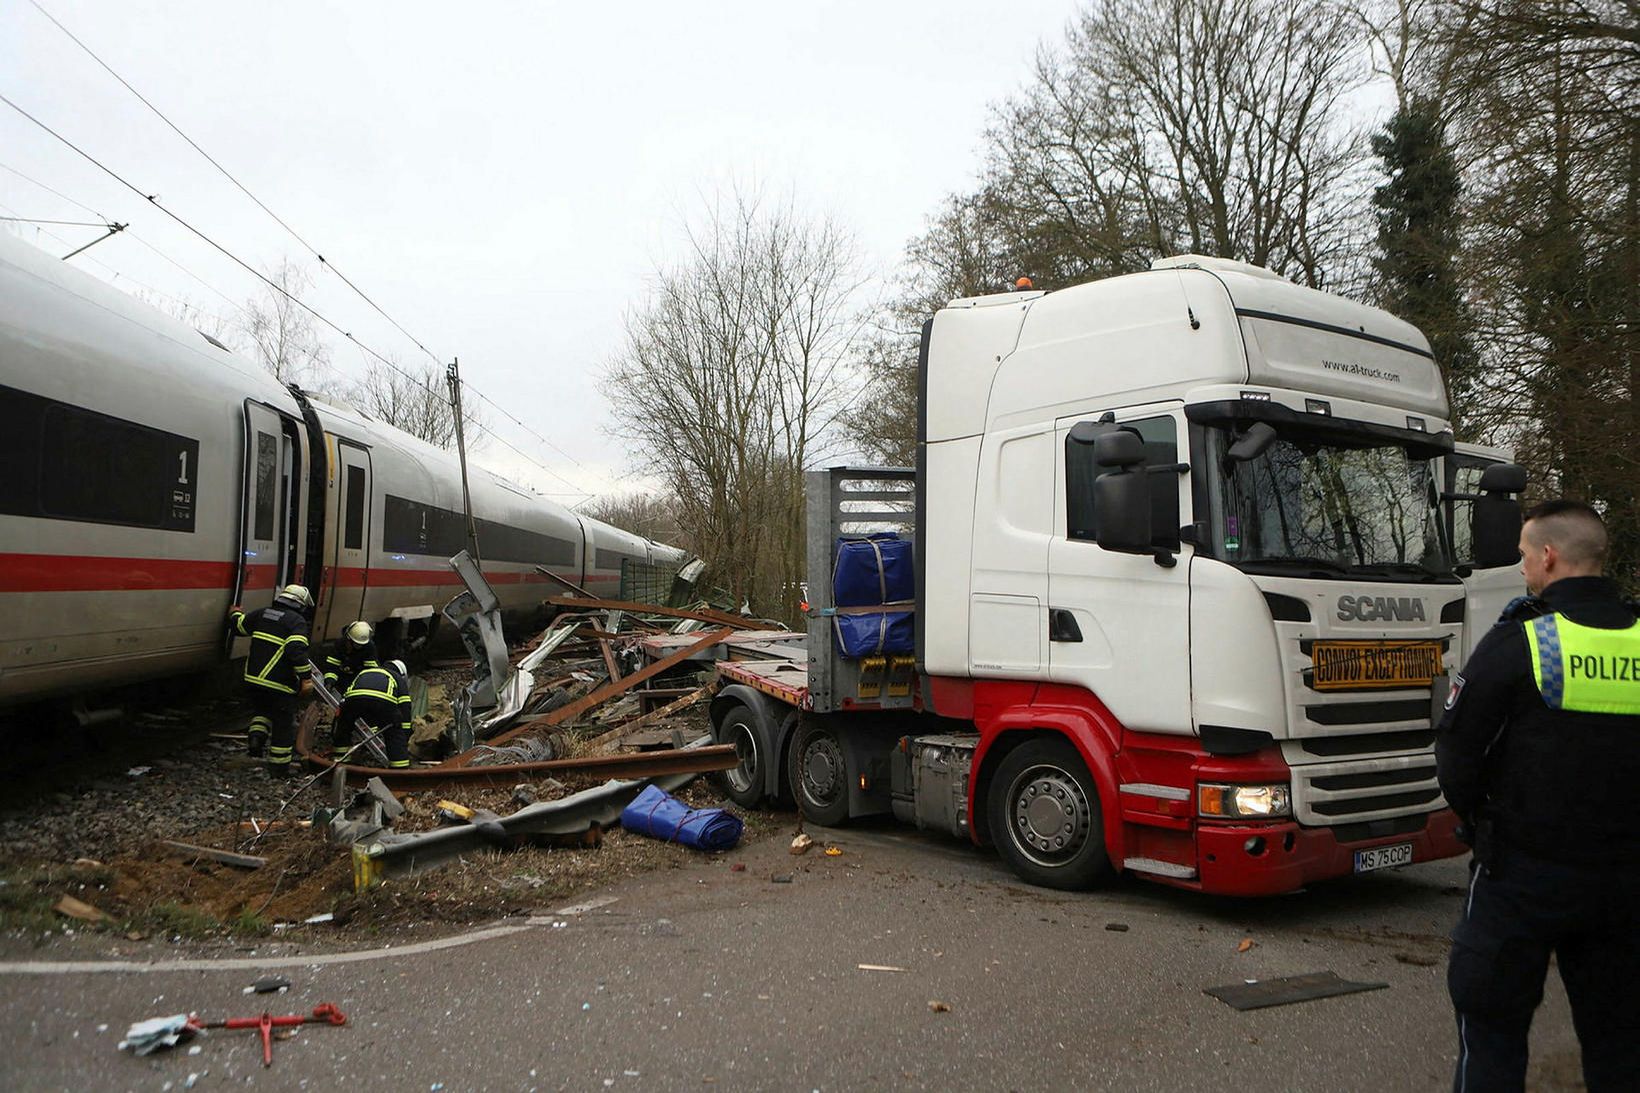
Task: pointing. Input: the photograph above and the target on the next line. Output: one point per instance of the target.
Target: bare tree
(216, 328)
(416, 400)
(653, 516)
(280, 334)
(1156, 128)
(730, 383)
(964, 251)
(1210, 126)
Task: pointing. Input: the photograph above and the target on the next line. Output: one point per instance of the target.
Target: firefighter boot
(256, 737)
(280, 762)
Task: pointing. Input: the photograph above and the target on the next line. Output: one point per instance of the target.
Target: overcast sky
(503, 179)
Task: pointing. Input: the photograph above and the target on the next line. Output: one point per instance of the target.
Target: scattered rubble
(211, 846)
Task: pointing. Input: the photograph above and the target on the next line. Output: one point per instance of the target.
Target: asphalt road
(707, 977)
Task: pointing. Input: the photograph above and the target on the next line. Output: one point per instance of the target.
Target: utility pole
(452, 375)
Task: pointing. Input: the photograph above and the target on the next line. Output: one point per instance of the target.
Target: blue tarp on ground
(659, 814)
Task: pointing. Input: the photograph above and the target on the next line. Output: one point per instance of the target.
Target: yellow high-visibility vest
(1585, 668)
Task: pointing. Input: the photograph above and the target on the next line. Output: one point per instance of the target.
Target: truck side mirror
(1503, 478)
(1495, 517)
(1122, 494)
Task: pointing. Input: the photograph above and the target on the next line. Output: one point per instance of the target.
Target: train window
(410, 527)
(611, 559)
(68, 463)
(267, 485)
(353, 535)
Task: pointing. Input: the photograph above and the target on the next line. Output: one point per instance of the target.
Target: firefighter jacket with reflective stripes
(378, 697)
(346, 659)
(278, 658)
(1522, 752)
(1588, 668)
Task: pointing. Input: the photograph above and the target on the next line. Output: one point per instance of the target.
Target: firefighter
(353, 651)
(1539, 755)
(275, 672)
(380, 697)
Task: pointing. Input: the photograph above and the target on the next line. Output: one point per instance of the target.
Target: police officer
(380, 697)
(1539, 755)
(354, 651)
(275, 670)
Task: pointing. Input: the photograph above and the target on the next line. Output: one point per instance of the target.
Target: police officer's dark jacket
(278, 658)
(380, 697)
(1557, 783)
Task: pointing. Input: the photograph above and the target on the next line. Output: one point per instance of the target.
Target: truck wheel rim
(822, 770)
(1050, 815)
(741, 776)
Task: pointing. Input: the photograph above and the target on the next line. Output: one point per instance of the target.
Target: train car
(151, 479)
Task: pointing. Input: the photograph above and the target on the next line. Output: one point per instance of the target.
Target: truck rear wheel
(1044, 816)
(819, 775)
(743, 784)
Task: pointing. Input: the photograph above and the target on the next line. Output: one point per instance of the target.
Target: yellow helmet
(296, 594)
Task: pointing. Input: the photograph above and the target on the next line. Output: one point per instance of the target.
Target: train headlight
(1259, 802)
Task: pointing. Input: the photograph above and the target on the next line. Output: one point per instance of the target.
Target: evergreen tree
(1417, 209)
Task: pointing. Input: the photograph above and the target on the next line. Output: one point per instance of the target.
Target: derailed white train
(149, 479)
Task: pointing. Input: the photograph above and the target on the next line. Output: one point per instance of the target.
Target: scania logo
(1380, 609)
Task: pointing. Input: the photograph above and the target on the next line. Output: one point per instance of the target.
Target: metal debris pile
(587, 698)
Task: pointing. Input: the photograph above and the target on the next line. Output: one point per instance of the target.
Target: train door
(350, 516)
(271, 497)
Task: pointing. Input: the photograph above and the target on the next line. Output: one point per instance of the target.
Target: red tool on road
(325, 1013)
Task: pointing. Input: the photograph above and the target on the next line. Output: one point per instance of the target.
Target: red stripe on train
(74, 573)
(70, 573)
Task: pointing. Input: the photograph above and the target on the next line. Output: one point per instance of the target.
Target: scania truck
(1187, 591)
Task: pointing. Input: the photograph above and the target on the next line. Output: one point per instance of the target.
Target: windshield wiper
(1297, 561)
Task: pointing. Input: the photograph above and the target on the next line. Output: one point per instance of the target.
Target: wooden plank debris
(596, 698)
(226, 857)
(677, 705)
(79, 909)
(699, 614)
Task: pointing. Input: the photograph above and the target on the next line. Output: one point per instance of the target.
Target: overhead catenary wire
(131, 234)
(117, 275)
(49, 190)
(56, 223)
(153, 199)
(313, 250)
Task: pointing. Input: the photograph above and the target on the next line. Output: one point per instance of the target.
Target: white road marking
(131, 967)
(589, 905)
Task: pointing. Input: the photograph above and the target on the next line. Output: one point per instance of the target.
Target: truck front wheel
(819, 775)
(1044, 815)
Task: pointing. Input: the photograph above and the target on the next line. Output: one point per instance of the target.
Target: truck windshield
(1328, 507)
